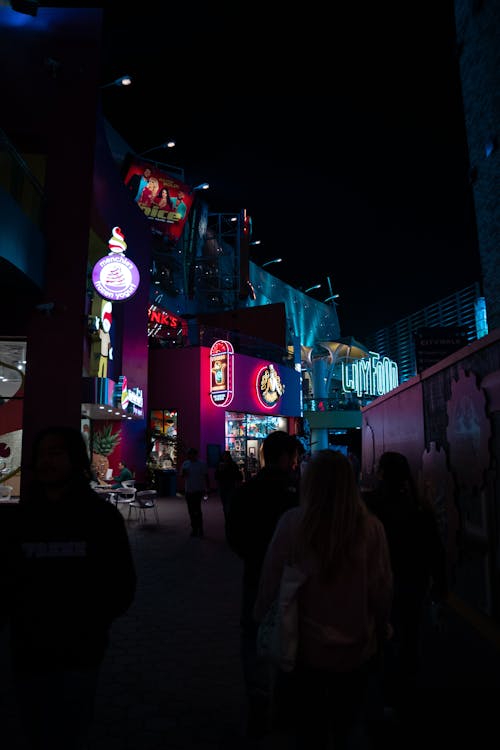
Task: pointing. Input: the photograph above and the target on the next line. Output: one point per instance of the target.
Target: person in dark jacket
(418, 563)
(228, 477)
(72, 575)
(255, 509)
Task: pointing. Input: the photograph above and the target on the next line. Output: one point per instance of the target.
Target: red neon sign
(221, 373)
(268, 386)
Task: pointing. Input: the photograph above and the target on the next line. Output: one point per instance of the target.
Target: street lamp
(310, 288)
(121, 81)
(274, 260)
(167, 144)
(332, 297)
(201, 186)
(255, 242)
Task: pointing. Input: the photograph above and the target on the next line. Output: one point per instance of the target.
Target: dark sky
(340, 132)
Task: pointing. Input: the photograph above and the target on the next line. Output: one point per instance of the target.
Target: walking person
(344, 604)
(228, 477)
(73, 575)
(196, 484)
(419, 567)
(255, 509)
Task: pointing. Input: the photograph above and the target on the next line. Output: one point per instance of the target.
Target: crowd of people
(373, 559)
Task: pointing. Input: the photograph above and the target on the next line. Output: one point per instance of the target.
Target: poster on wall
(163, 198)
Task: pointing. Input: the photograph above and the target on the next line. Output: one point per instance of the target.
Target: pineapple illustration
(103, 444)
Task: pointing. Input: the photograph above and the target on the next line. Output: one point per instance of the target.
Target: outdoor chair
(144, 500)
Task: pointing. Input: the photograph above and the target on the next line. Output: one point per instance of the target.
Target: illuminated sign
(163, 199)
(371, 376)
(163, 324)
(221, 373)
(114, 276)
(130, 400)
(120, 393)
(269, 387)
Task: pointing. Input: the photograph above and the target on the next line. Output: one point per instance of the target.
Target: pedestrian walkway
(171, 679)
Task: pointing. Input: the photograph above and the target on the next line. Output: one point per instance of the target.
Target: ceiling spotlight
(121, 81)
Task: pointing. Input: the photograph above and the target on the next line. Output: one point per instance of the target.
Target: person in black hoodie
(418, 563)
(255, 508)
(72, 575)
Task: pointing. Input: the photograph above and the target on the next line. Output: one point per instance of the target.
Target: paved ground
(171, 679)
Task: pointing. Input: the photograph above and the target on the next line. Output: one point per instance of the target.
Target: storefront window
(163, 446)
(244, 436)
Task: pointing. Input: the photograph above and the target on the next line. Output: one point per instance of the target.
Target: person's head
(147, 173)
(122, 465)
(279, 449)
(153, 185)
(333, 509)
(60, 458)
(393, 468)
(226, 456)
(192, 454)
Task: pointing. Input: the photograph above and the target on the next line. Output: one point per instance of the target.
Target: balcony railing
(342, 402)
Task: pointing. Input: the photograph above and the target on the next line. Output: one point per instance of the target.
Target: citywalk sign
(371, 376)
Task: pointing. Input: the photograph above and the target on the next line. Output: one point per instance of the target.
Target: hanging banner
(163, 199)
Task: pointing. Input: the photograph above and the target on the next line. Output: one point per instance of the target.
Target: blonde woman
(150, 192)
(344, 604)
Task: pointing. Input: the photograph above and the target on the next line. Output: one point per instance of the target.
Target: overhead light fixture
(201, 186)
(166, 144)
(310, 288)
(274, 260)
(332, 297)
(122, 81)
(28, 7)
(255, 242)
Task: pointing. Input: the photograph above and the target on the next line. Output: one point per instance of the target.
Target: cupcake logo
(115, 277)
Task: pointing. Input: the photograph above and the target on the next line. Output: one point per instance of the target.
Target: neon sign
(221, 373)
(114, 276)
(371, 376)
(269, 387)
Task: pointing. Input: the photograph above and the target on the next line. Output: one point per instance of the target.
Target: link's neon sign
(371, 376)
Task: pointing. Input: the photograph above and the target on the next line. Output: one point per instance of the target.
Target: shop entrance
(244, 436)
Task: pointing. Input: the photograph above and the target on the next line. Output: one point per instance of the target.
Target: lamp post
(310, 288)
(274, 260)
(201, 186)
(121, 81)
(166, 144)
(331, 298)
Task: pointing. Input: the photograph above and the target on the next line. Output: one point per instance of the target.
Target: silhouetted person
(228, 477)
(419, 568)
(73, 574)
(344, 604)
(254, 511)
(196, 483)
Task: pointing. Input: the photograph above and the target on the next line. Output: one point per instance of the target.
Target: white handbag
(278, 631)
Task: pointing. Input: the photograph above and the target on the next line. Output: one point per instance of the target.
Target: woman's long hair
(334, 514)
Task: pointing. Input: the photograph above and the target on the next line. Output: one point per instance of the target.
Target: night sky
(342, 136)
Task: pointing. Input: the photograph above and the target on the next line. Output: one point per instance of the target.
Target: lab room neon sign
(371, 376)
(221, 373)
